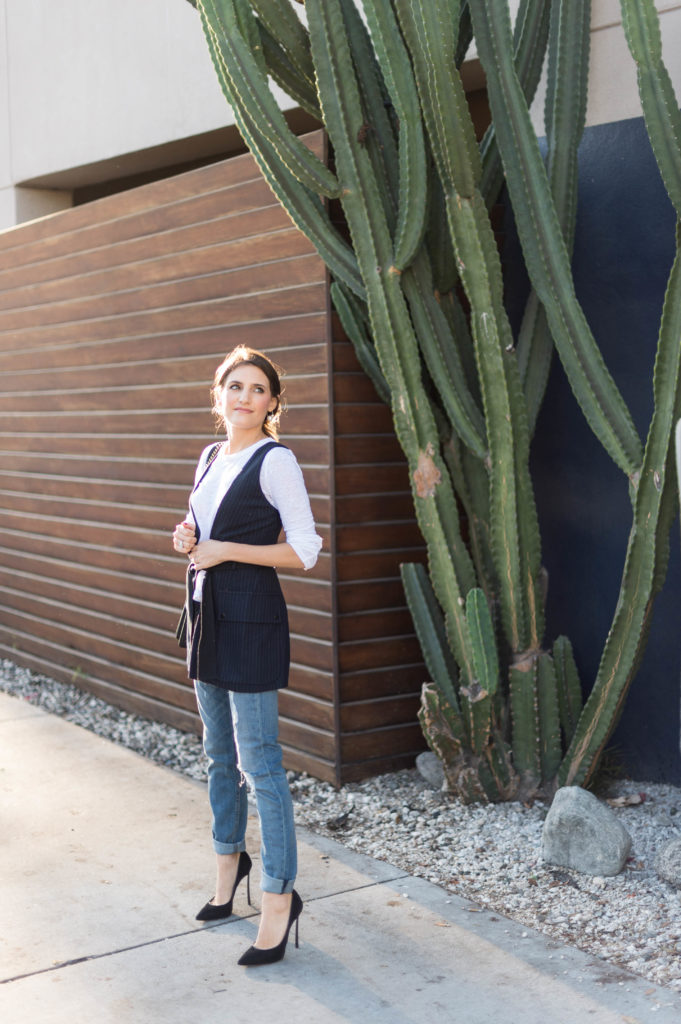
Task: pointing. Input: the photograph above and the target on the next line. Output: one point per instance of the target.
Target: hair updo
(240, 356)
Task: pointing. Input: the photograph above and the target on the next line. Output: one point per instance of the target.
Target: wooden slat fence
(113, 317)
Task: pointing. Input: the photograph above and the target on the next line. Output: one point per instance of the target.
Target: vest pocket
(252, 639)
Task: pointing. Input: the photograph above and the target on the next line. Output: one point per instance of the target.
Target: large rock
(582, 833)
(430, 767)
(668, 862)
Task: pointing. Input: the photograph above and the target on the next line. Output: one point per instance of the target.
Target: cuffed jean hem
(229, 847)
(278, 885)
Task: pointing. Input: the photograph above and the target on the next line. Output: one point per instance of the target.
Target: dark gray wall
(624, 248)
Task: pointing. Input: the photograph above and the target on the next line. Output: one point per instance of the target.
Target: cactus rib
(435, 504)
(661, 111)
(394, 60)
(251, 92)
(529, 42)
(543, 246)
(286, 75)
(569, 689)
(430, 629)
(305, 209)
(565, 115)
(283, 25)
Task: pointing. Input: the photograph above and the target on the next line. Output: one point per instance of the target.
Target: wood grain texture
(380, 671)
(113, 316)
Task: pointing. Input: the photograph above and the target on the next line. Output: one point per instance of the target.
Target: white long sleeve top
(282, 484)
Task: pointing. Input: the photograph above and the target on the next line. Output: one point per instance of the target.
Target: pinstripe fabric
(239, 636)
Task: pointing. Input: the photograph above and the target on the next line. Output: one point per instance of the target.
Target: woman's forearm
(212, 552)
(281, 555)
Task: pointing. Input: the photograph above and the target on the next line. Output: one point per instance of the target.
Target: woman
(236, 632)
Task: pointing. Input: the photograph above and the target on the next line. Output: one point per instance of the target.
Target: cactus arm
(450, 132)
(251, 93)
(485, 658)
(471, 484)
(568, 687)
(305, 209)
(429, 34)
(441, 356)
(434, 335)
(536, 723)
(394, 61)
(565, 116)
(460, 328)
(529, 42)
(643, 569)
(550, 750)
(376, 128)
(496, 368)
(284, 25)
(545, 252)
(660, 109)
(430, 629)
(450, 564)
(248, 28)
(439, 242)
(535, 355)
(524, 702)
(286, 75)
(354, 324)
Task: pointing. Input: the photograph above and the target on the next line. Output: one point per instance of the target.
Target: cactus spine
(504, 714)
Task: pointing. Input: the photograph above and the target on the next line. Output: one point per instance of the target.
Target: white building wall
(87, 84)
(91, 88)
(92, 79)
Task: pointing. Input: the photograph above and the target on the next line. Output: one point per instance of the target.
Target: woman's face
(246, 398)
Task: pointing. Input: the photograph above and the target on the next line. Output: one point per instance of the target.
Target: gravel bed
(488, 854)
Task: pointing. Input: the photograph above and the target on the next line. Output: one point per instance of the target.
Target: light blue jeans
(240, 737)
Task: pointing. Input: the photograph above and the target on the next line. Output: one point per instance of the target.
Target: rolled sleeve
(282, 483)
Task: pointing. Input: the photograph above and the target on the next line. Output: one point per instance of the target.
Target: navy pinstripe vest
(237, 636)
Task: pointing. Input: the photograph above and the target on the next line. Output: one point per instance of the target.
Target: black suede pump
(254, 957)
(215, 912)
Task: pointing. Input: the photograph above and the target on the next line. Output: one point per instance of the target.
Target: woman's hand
(184, 538)
(210, 552)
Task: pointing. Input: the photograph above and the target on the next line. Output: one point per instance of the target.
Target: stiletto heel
(254, 957)
(215, 912)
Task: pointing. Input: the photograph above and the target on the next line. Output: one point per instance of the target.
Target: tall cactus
(503, 712)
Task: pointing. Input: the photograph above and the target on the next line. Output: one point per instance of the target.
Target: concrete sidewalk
(105, 859)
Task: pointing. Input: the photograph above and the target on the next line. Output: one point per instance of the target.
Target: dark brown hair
(240, 356)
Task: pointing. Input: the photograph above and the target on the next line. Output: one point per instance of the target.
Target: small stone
(583, 834)
(668, 862)
(430, 767)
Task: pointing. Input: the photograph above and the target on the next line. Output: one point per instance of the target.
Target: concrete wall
(100, 89)
(90, 86)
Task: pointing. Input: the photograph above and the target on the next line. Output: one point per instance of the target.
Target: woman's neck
(239, 440)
